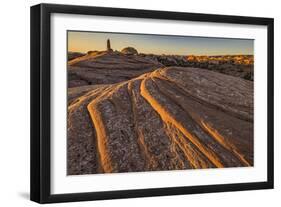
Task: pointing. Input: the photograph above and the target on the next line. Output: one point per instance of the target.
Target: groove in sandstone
(141, 141)
(82, 146)
(220, 139)
(101, 136)
(196, 159)
(167, 117)
(157, 75)
(117, 141)
(228, 143)
(209, 139)
(169, 158)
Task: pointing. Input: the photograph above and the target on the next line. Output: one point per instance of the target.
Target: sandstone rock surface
(107, 68)
(73, 55)
(168, 119)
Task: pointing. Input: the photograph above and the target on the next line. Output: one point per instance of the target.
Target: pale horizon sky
(159, 44)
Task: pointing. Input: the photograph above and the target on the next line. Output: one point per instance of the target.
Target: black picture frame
(41, 96)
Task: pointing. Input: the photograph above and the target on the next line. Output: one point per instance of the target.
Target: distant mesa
(129, 51)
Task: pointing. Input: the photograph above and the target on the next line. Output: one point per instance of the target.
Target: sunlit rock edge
(168, 119)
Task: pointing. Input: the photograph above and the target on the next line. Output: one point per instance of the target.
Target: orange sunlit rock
(171, 118)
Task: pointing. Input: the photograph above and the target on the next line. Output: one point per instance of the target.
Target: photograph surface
(150, 102)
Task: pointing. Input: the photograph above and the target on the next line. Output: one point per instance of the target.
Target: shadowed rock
(169, 119)
(107, 68)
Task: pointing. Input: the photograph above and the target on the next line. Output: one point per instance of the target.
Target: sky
(159, 44)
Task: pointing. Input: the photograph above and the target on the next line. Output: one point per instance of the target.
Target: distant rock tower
(108, 47)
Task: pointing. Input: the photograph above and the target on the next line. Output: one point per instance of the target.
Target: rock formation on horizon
(108, 46)
(129, 51)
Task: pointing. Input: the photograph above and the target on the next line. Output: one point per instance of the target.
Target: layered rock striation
(107, 67)
(171, 118)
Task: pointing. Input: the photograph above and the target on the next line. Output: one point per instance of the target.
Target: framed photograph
(133, 103)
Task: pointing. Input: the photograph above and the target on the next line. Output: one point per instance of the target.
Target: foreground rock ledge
(169, 119)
